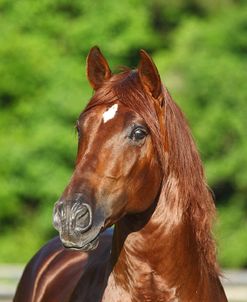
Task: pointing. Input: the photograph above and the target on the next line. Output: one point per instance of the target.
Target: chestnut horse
(137, 168)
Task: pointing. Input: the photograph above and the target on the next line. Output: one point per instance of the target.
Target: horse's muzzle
(72, 219)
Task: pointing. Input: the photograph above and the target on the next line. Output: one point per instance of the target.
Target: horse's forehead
(110, 113)
(105, 113)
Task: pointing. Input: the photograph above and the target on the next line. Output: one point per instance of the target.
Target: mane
(184, 193)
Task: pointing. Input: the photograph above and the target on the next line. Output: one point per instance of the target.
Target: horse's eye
(138, 134)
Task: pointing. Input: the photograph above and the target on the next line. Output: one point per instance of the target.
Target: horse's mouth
(89, 246)
(75, 231)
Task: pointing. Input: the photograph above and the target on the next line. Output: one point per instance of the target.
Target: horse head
(118, 168)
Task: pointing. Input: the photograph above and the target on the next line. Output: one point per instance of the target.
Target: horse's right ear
(150, 77)
(98, 69)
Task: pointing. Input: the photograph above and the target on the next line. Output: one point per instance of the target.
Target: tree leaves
(200, 51)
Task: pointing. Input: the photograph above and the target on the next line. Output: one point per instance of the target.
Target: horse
(137, 168)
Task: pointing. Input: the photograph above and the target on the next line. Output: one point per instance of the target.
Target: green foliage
(231, 233)
(200, 49)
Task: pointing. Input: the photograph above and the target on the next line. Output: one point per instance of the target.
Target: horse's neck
(151, 264)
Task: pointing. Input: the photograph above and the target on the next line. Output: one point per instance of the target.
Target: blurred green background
(200, 49)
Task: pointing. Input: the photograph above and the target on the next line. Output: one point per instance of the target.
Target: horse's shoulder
(53, 272)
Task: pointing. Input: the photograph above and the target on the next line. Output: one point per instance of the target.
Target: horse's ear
(98, 69)
(149, 76)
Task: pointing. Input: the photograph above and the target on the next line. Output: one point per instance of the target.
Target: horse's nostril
(82, 212)
(56, 218)
(67, 218)
(83, 218)
(59, 215)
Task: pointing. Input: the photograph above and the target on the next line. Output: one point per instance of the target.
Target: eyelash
(134, 134)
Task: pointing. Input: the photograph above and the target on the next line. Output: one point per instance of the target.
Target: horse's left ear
(149, 76)
(98, 69)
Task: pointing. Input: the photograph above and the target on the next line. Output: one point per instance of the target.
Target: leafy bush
(200, 50)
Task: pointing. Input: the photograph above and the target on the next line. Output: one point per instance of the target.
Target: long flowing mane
(184, 192)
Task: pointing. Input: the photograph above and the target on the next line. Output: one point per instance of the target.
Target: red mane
(184, 189)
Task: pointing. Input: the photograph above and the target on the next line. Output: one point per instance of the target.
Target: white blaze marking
(110, 113)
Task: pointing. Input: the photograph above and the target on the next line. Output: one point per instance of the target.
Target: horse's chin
(86, 241)
(81, 246)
